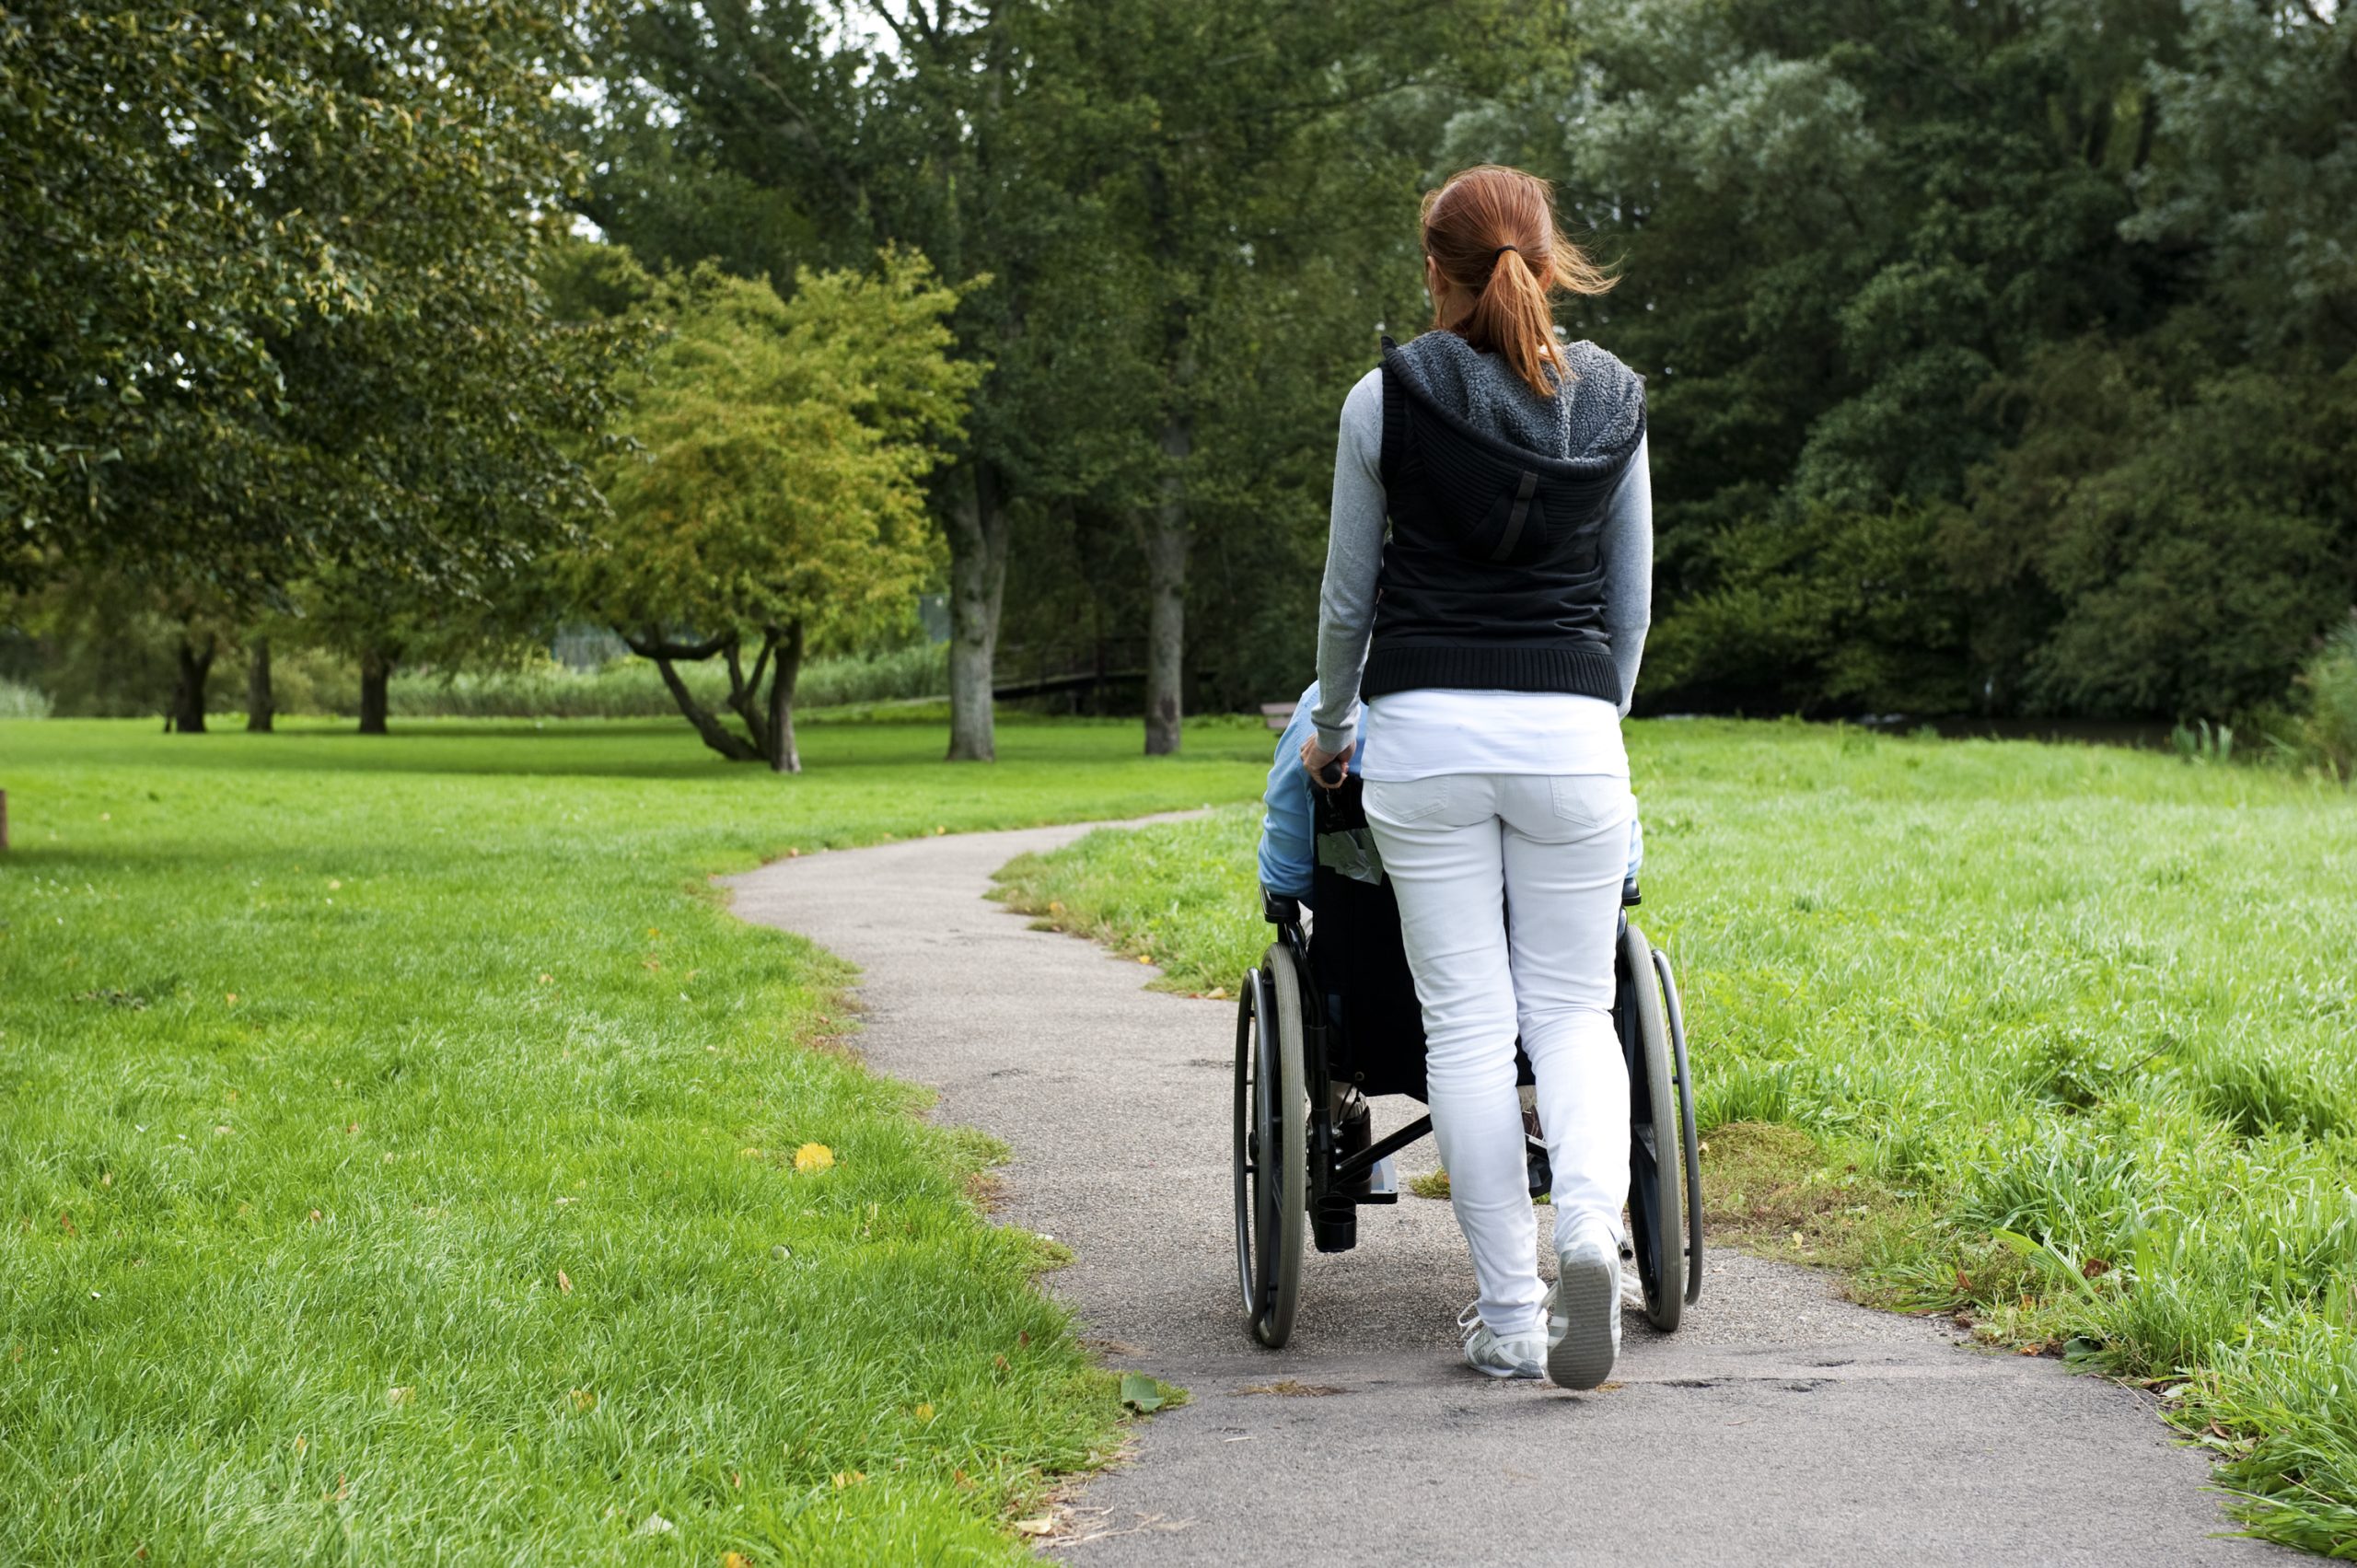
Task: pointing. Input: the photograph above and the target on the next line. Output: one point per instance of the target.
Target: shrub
(18, 701)
(2330, 732)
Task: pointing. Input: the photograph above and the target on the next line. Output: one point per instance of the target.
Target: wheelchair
(1332, 1005)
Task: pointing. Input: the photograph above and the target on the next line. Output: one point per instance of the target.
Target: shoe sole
(1586, 1299)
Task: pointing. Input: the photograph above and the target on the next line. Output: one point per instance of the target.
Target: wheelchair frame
(1283, 1125)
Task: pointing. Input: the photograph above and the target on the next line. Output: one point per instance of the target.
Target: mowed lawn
(2072, 1032)
(398, 1156)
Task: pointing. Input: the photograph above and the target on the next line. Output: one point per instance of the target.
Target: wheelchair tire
(1656, 1152)
(1270, 1145)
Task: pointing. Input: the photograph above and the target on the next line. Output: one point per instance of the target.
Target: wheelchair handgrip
(1331, 775)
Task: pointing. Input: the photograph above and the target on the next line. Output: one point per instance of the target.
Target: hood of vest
(1502, 474)
(1598, 415)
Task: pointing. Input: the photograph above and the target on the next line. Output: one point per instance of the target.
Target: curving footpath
(1781, 1425)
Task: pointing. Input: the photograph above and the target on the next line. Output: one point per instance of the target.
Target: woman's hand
(1317, 762)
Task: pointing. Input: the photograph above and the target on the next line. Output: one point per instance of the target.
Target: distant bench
(1278, 714)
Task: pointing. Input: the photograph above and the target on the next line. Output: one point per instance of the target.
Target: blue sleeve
(1288, 852)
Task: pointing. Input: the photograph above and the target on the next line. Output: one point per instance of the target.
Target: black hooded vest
(1493, 577)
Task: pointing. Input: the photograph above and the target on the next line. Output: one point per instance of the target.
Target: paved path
(1782, 1425)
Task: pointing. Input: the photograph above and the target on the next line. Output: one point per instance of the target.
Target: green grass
(2099, 1000)
(395, 1156)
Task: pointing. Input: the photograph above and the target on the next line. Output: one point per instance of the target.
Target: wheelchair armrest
(1280, 909)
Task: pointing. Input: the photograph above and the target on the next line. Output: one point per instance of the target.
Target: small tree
(774, 502)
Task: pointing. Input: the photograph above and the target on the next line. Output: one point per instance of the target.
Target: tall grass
(634, 688)
(2095, 1009)
(21, 702)
(2329, 683)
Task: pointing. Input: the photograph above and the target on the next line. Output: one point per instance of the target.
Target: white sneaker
(1516, 1357)
(1583, 1313)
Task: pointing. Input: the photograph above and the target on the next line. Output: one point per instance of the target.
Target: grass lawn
(398, 1156)
(2071, 1034)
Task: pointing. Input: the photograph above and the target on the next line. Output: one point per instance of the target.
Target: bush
(2330, 732)
(18, 701)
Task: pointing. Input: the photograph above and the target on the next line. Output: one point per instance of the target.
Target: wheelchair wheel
(1271, 1145)
(1656, 1145)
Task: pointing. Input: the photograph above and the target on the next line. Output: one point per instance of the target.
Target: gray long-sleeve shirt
(1355, 557)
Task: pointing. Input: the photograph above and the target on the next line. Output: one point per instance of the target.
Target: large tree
(271, 299)
(772, 499)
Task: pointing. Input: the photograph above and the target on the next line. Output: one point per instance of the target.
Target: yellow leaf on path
(1044, 1524)
(564, 1281)
(814, 1156)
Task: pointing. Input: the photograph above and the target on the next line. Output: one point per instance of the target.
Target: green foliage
(769, 493)
(2001, 361)
(2083, 995)
(272, 305)
(2329, 684)
(399, 1143)
(18, 701)
(779, 450)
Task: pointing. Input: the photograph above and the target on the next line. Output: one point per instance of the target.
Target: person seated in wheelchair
(1288, 858)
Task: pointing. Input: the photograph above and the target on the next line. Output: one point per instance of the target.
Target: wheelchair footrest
(1382, 1182)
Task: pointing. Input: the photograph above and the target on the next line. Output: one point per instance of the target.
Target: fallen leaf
(814, 1156)
(314, 1216)
(656, 1525)
(1142, 1393)
(849, 1477)
(233, 998)
(1044, 1524)
(65, 1222)
(585, 1400)
(748, 1154)
(924, 1412)
(333, 885)
(735, 1560)
(547, 980)
(397, 1396)
(563, 1282)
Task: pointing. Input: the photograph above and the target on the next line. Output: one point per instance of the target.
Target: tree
(776, 502)
(272, 314)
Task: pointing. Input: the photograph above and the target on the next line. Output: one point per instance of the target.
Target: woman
(1495, 642)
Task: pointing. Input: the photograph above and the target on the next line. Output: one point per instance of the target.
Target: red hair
(1493, 233)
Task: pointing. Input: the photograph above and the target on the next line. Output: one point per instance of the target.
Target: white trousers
(1463, 850)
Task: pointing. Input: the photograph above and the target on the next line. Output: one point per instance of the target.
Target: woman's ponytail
(1492, 231)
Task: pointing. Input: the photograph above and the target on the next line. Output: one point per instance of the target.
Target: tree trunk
(716, 735)
(1165, 587)
(376, 676)
(978, 537)
(784, 756)
(262, 706)
(187, 690)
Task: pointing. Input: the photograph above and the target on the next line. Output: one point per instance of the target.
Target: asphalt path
(1779, 1425)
